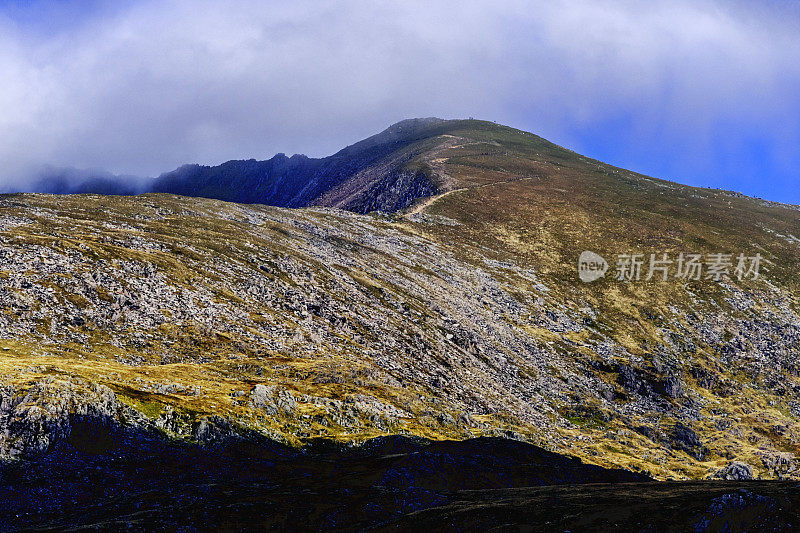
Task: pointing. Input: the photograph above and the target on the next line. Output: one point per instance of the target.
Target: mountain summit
(385, 172)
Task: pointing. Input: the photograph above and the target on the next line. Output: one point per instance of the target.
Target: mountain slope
(373, 174)
(141, 483)
(460, 315)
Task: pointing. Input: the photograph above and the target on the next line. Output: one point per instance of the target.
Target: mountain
(456, 313)
(384, 172)
(63, 180)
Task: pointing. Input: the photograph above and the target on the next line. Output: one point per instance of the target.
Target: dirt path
(438, 163)
(431, 199)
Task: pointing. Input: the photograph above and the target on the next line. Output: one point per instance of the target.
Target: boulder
(735, 471)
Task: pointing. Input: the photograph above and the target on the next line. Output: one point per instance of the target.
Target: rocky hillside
(458, 314)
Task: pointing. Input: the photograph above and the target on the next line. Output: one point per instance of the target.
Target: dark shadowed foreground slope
(137, 481)
(100, 479)
(698, 506)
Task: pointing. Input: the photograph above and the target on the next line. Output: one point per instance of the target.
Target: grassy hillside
(462, 315)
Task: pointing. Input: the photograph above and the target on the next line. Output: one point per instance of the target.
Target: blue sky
(702, 92)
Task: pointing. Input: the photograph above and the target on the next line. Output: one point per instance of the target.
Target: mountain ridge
(384, 172)
(347, 179)
(295, 181)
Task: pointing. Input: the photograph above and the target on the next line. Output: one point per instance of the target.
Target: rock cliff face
(33, 418)
(458, 315)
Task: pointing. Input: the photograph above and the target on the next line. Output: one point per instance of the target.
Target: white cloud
(158, 84)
